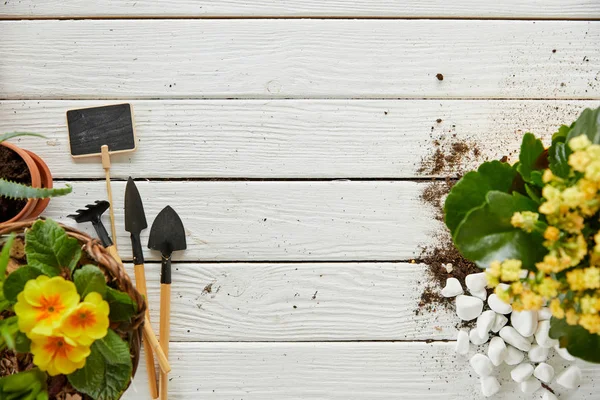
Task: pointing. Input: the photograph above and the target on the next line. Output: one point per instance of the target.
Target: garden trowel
(166, 235)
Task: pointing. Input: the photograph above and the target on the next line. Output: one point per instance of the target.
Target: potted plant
(70, 318)
(25, 182)
(535, 227)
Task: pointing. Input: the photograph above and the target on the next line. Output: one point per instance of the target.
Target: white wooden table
(287, 134)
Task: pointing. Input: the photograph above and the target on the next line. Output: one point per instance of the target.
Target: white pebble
(570, 378)
(476, 339)
(448, 267)
(468, 308)
(544, 372)
(512, 337)
(525, 322)
(542, 335)
(480, 294)
(564, 353)
(453, 288)
(485, 322)
(549, 396)
(489, 386)
(481, 365)
(514, 356)
(538, 353)
(497, 351)
(544, 314)
(499, 323)
(522, 372)
(530, 386)
(476, 281)
(462, 343)
(498, 305)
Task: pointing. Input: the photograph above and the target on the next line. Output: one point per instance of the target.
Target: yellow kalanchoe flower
(58, 354)
(580, 142)
(88, 321)
(43, 303)
(525, 220)
(552, 233)
(579, 161)
(591, 322)
(511, 270)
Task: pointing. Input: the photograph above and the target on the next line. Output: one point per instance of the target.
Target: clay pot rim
(46, 182)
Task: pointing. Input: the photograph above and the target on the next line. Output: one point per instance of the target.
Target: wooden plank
(292, 138)
(298, 302)
(308, 58)
(584, 9)
(336, 371)
(339, 220)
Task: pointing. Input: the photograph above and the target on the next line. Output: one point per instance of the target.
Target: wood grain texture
(584, 9)
(298, 302)
(243, 221)
(292, 138)
(264, 58)
(337, 371)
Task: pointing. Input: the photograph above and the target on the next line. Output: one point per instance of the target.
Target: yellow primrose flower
(552, 233)
(43, 303)
(88, 321)
(579, 160)
(511, 270)
(580, 142)
(557, 310)
(58, 354)
(591, 322)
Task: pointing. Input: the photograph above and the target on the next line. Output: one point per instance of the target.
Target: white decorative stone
(489, 386)
(497, 351)
(542, 335)
(521, 372)
(468, 307)
(564, 353)
(476, 339)
(538, 353)
(499, 323)
(514, 338)
(530, 386)
(570, 378)
(549, 396)
(544, 314)
(480, 294)
(531, 339)
(448, 267)
(514, 356)
(485, 322)
(462, 343)
(453, 288)
(476, 281)
(544, 372)
(525, 322)
(481, 365)
(498, 305)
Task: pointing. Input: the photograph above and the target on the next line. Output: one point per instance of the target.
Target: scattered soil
(448, 157)
(12, 168)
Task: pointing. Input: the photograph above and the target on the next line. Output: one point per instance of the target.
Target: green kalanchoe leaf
(107, 370)
(122, 307)
(561, 135)
(588, 124)
(531, 149)
(470, 191)
(50, 249)
(89, 279)
(578, 341)
(534, 193)
(486, 234)
(15, 282)
(558, 155)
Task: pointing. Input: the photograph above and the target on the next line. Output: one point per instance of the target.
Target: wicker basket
(112, 269)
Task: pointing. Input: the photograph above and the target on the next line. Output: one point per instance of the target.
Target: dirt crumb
(207, 289)
(440, 77)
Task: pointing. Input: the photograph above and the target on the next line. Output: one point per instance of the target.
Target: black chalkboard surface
(91, 128)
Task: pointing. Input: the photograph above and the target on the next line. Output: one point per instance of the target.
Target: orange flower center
(83, 318)
(50, 307)
(57, 347)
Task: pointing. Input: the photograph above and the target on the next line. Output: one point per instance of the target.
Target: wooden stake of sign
(106, 166)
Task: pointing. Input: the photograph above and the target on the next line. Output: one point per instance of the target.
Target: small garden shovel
(166, 235)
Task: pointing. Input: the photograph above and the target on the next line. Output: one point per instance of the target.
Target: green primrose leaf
(588, 124)
(15, 282)
(107, 370)
(122, 307)
(49, 248)
(22, 343)
(531, 149)
(470, 191)
(486, 234)
(558, 155)
(576, 339)
(89, 279)
(5, 255)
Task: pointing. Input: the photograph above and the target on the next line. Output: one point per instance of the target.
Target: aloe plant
(15, 190)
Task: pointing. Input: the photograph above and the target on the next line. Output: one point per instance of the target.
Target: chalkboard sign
(91, 128)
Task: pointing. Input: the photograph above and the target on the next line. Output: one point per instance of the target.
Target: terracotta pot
(36, 181)
(47, 183)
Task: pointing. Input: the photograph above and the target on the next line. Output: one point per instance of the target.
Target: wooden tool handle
(106, 166)
(165, 330)
(140, 284)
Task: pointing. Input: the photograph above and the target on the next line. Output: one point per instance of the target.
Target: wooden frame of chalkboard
(91, 127)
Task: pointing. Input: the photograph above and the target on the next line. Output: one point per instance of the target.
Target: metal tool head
(135, 218)
(167, 233)
(91, 213)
